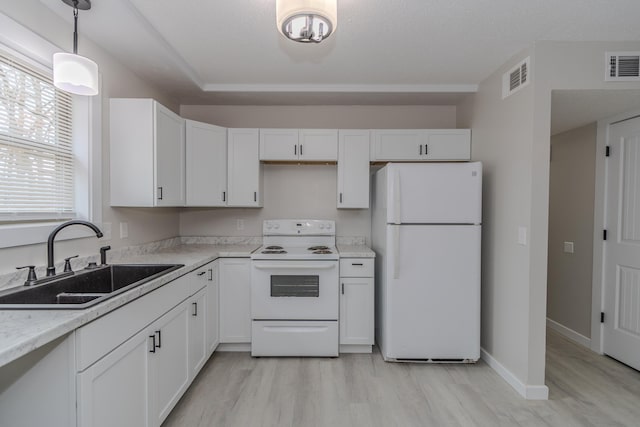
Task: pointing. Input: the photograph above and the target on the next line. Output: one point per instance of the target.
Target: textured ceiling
(384, 51)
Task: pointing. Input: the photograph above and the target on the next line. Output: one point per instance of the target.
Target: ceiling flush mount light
(71, 72)
(307, 21)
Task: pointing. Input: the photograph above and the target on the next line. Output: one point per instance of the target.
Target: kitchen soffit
(384, 52)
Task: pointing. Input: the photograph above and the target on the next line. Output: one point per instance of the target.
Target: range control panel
(298, 227)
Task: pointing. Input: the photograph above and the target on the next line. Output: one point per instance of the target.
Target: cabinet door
(448, 144)
(197, 332)
(169, 364)
(353, 169)
(235, 300)
(279, 144)
(206, 166)
(169, 157)
(318, 145)
(400, 144)
(113, 391)
(244, 168)
(212, 319)
(356, 311)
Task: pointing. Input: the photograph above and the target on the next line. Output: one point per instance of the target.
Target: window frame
(87, 126)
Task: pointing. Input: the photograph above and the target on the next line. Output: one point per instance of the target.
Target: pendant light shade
(71, 72)
(75, 74)
(307, 21)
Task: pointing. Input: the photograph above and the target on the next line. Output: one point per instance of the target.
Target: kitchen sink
(84, 288)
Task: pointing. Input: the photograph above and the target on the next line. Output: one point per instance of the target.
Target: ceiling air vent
(516, 78)
(623, 67)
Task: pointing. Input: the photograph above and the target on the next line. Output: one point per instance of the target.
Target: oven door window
(295, 286)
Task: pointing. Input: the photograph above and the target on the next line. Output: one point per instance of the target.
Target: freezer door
(434, 193)
(431, 292)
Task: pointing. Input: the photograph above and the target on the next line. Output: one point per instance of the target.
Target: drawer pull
(159, 334)
(202, 273)
(153, 343)
(359, 264)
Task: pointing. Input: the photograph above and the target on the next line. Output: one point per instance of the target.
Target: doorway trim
(600, 224)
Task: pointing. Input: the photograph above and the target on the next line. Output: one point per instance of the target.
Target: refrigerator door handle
(396, 197)
(395, 237)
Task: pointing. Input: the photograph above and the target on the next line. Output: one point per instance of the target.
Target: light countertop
(355, 251)
(22, 331)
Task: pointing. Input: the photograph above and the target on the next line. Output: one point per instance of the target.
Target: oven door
(294, 290)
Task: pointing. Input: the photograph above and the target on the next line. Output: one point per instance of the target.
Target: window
(45, 125)
(36, 145)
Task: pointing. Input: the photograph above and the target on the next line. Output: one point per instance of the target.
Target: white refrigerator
(426, 230)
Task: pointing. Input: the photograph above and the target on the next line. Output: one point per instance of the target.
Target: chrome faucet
(51, 270)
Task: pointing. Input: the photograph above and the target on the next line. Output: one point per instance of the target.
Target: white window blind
(36, 151)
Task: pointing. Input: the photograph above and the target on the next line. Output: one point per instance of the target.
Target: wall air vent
(516, 78)
(622, 67)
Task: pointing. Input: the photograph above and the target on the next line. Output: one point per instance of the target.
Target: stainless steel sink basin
(84, 288)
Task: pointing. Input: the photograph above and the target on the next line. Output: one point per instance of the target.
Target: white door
(432, 294)
(356, 310)
(318, 144)
(197, 332)
(353, 169)
(279, 144)
(235, 300)
(244, 169)
(448, 144)
(212, 322)
(169, 157)
(621, 334)
(113, 391)
(434, 193)
(398, 144)
(169, 363)
(206, 173)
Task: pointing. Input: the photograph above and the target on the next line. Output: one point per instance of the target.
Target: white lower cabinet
(235, 295)
(212, 314)
(198, 350)
(356, 304)
(168, 362)
(135, 363)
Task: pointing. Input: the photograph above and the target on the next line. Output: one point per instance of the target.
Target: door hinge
(604, 234)
(607, 151)
(602, 317)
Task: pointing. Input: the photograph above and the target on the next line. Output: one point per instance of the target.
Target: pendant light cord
(75, 27)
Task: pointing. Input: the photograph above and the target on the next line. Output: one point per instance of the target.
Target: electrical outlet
(522, 236)
(124, 230)
(568, 247)
(240, 224)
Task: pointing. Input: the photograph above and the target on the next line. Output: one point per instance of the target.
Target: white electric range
(295, 290)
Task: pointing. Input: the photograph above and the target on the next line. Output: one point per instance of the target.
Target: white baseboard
(530, 392)
(569, 333)
(350, 348)
(234, 347)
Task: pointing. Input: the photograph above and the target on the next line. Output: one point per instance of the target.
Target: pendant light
(71, 72)
(307, 21)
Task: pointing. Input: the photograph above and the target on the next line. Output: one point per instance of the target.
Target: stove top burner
(274, 247)
(274, 251)
(322, 251)
(319, 248)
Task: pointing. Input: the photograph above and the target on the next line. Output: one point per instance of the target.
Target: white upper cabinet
(353, 169)
(279, 144)
(206, 166)
(299, 145)
(318, 145)
(244, 168)
(147, 154)
(420, 144)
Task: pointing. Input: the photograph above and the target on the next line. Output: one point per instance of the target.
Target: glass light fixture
(71, 72)
(307, 21)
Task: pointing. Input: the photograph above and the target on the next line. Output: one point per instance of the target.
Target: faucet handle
(103, 254)
(67, 263)
(31, 277)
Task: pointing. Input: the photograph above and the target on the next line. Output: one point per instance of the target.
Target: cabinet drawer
(356, 267)
(101, 336)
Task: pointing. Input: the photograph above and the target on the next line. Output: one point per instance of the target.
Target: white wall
(512, 136)
(117, 81)
(571, 197)
(301, 191)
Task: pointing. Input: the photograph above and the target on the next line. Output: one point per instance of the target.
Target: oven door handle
(280, 266)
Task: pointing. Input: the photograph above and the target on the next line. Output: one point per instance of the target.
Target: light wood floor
(362, 390)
